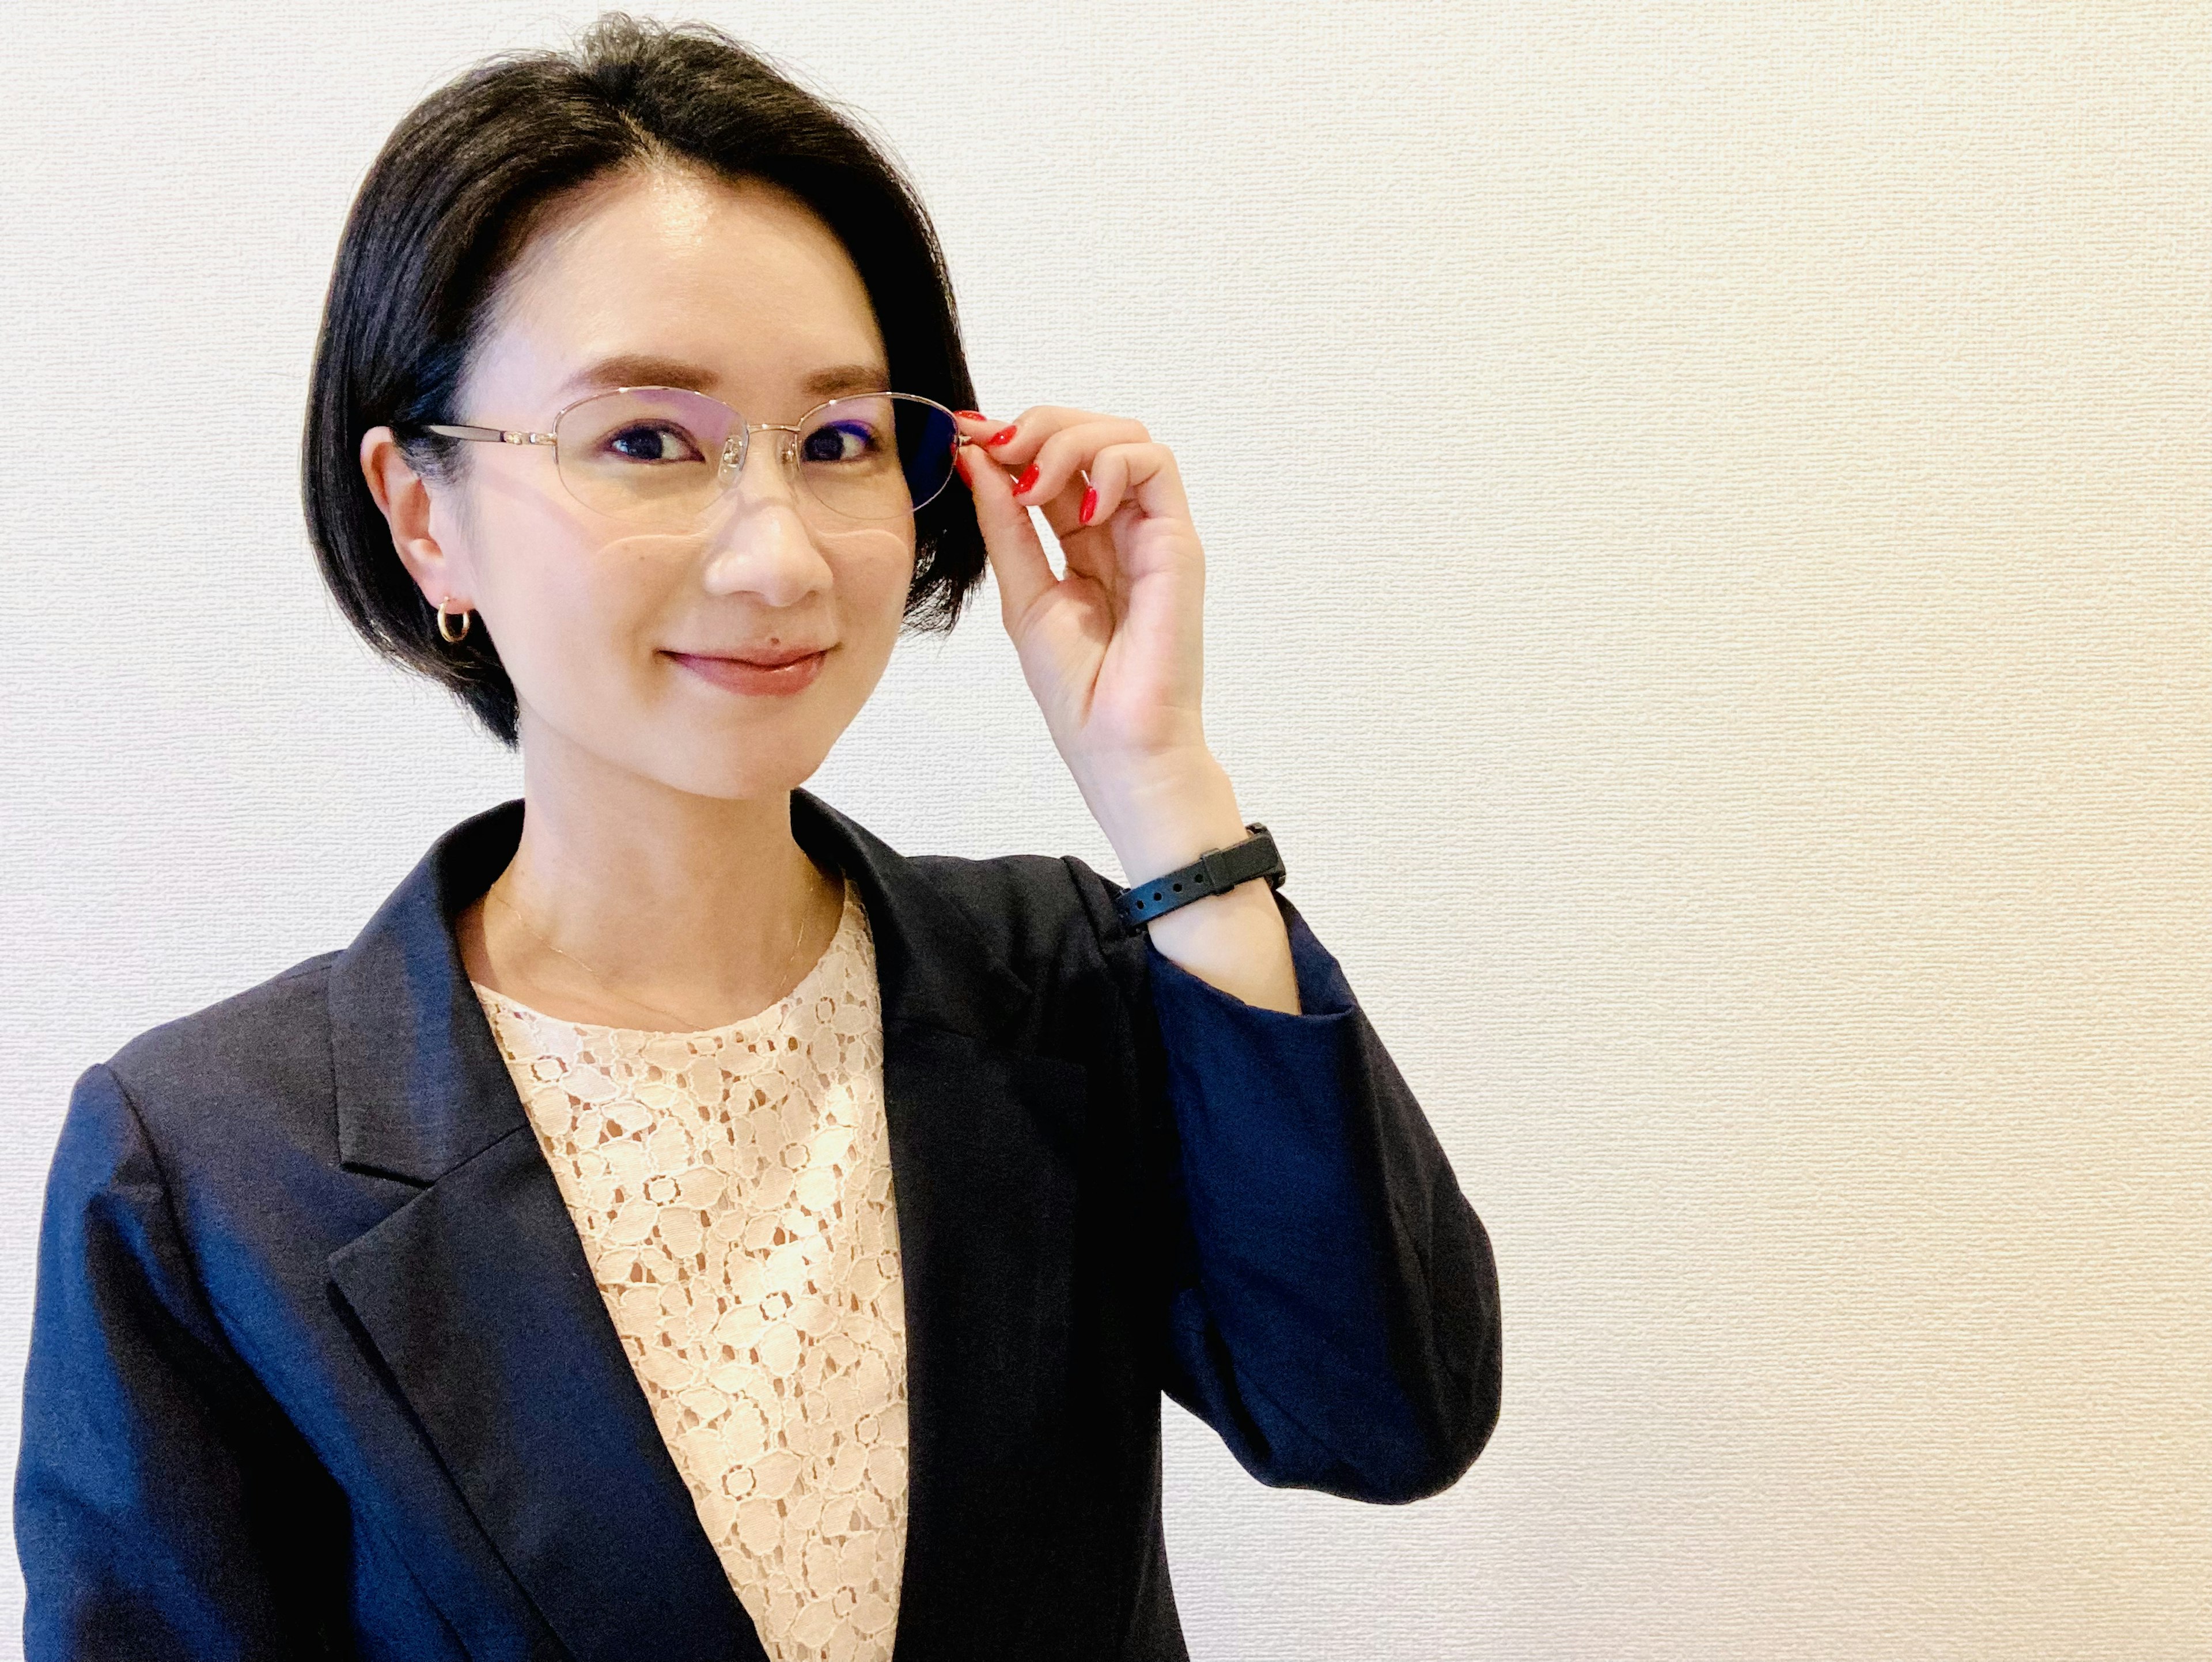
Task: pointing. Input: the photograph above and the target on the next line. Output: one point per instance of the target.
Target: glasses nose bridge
(737, 450)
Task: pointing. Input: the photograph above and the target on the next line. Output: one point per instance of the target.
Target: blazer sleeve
(150, 1499)
(1331, 1308)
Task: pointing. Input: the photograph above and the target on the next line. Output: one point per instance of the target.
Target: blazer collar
(420, 1084)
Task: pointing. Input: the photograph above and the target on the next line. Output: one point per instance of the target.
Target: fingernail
(960, 462)
(971, 415)
(1001, 436)
(1026, 480)
(1090, 505)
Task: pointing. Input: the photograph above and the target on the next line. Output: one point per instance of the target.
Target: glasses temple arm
(486, 434)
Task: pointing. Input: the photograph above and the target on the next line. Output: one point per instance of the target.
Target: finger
(1010, 539)
(973, 425)
(1143, 473)
(1054, 481)
(1016, 442)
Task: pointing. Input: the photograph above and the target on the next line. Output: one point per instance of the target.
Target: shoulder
(241, 1056)
(1079, 974)
(1031, 909)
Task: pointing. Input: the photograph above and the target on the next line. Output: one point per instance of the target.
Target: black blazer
(318, 1368)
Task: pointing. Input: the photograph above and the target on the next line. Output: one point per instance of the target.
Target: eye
(653, 441)
(842, 441)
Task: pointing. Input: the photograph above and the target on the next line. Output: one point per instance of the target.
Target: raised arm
(1333, 1304)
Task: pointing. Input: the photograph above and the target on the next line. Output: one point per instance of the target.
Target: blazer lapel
(985, 1138)
(481, 1306)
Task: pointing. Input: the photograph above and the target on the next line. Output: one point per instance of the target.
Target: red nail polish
(1026, 480)
(960, 463)
(1089, 505)
(970, 415)
(1001, 436)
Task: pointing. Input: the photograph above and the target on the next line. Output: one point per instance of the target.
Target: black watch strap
(1212, 873)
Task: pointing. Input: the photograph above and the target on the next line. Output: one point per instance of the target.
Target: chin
(741, 766)
(733, 749)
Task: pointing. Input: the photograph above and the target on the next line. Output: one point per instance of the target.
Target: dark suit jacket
(318, 1368)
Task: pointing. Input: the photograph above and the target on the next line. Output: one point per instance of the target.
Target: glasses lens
(876, 457)
(647, 453)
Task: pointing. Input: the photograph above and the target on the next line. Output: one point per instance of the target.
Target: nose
(762, 544)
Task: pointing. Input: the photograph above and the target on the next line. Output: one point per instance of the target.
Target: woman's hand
(1113, 652)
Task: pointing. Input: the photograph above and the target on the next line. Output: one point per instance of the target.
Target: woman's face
(740, 292)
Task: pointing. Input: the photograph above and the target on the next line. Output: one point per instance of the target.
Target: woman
(679, 1225)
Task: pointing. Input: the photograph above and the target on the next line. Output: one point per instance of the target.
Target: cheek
(571, 604)
(874, 570)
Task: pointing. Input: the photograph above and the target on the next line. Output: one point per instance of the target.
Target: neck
(631, 904)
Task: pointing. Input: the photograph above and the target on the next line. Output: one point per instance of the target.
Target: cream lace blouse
(733, 1191)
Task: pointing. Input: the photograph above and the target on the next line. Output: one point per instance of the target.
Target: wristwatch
(1212, 873)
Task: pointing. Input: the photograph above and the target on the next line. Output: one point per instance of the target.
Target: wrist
(1166, 813)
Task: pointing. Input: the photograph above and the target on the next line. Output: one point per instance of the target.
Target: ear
(402, 496)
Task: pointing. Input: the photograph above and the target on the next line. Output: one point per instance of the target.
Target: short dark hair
(452, 198)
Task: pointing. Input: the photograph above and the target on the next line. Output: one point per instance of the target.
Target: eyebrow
(646, 369)
(848, 378)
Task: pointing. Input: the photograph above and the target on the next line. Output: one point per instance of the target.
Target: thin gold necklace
(682, 1025)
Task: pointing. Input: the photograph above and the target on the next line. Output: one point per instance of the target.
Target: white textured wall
(1708, 510)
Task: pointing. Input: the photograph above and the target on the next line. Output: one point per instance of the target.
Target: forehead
(739, 281)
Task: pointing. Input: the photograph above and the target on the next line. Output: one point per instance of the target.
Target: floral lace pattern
(733, 1191)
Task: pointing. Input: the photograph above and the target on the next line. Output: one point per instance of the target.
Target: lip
(780, 673)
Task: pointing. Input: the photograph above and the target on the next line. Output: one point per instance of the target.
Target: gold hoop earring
(446, 635)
